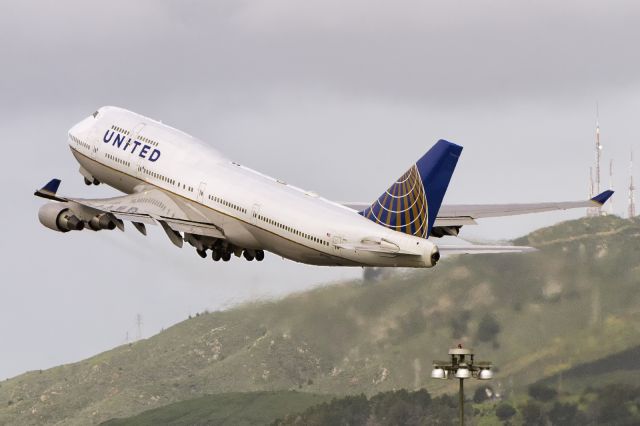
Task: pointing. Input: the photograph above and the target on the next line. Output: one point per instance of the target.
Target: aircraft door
(336, 240)
(254, 213)
(201, 190)
(94, 140)
(137, 160)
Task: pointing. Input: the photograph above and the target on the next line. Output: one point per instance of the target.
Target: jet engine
(59, 217)
(102, 221)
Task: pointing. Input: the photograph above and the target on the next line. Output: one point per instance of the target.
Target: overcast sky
(339, 97)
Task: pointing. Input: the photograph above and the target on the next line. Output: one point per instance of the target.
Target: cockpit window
(95, 114)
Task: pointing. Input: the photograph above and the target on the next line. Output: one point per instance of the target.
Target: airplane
(219, 206)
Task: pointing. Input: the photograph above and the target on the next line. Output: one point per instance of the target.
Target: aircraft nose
(81, 128)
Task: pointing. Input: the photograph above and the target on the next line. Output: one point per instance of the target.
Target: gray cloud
(431, 52)
(338, 97)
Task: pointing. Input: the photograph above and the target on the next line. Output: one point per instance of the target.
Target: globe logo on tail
(403, 207)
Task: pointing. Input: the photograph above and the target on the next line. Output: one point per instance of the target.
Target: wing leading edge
(147, 206)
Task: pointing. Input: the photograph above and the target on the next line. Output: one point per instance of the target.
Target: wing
(460, 214)
(452, 217)
(147, 206)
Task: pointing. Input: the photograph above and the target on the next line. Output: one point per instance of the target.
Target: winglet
(602, 197)
(49, 190)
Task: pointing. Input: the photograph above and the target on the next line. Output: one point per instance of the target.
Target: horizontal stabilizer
(482, 249)
(376, 246)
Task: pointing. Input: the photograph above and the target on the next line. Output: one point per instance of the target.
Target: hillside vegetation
(228, 409)
(607, 406)
(535, 316)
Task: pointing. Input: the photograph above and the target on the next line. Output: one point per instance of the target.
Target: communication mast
(596, 211)
(632, 190)
(611, 186)
(598, 151)
(139, 327)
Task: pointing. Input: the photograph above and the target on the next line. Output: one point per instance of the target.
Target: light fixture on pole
(461, 366)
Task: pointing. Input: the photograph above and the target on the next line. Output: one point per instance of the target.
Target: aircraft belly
(297, 252)
(116, 179)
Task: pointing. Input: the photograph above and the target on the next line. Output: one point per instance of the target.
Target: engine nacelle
(59, 217)
(102, 221)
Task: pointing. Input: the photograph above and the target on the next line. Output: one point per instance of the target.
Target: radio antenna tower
(596, 211)
(139, 327)
(598, 149)
(632, 190)
(611, 185)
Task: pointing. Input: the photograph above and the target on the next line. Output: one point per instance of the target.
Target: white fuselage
(130, 152)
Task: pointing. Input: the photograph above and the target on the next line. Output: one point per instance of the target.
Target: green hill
(620, 367)
(536, 315)
(232, 409)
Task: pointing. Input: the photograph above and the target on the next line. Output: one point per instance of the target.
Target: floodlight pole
(461, 394)
(461, 366)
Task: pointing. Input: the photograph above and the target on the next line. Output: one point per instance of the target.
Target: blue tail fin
(412, 203)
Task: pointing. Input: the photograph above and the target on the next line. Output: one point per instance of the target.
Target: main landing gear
(221, 249)
(225, 254)
(253, 254)
(91, 182)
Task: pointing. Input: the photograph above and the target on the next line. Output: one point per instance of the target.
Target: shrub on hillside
(481, 394)
(565, 414)
(460, 324)
(532, 414)
(488, 329)
(384, 409)
(615, 404)
(542, 392)
(505, 411)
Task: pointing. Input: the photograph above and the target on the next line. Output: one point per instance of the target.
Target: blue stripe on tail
(51, 187)
(602, 197)
(412, 203)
